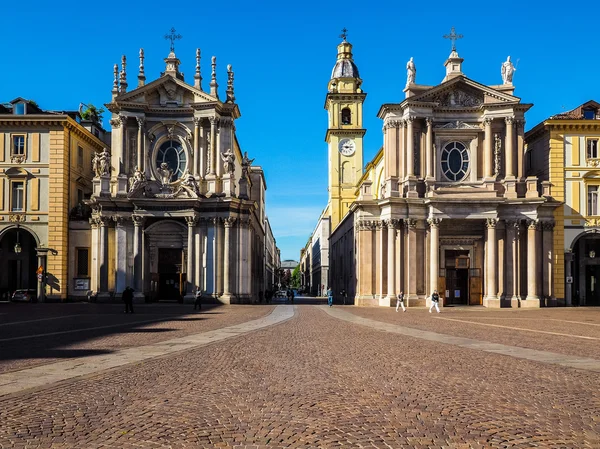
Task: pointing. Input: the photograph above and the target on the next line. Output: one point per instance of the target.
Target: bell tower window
(346, 116)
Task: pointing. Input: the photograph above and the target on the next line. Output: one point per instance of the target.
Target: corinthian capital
(491, 222)
(487, 121)
(434, 222)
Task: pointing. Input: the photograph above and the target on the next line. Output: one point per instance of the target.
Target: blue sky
(282, 54)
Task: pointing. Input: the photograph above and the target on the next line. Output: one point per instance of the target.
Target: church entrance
(457, 277)
(170, 276)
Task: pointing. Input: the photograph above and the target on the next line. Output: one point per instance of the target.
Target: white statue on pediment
(411, 72)
(508, 69)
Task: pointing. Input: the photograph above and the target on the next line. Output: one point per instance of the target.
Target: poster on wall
(82, 284)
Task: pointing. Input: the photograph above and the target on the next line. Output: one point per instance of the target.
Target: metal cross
(173, 37)
(453, 37)
(344, 34)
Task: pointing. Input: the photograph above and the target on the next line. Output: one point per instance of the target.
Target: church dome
(345, 68)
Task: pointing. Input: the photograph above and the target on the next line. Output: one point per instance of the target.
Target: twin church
(449, 202)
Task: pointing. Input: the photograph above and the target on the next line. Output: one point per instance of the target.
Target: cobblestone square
(302, 375)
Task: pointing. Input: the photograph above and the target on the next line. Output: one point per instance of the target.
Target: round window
(455, 161)
(172, 153)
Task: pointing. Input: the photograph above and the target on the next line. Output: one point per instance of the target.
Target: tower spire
(197, 76)
(141, 75)
(115, 89)
(123, 88)
(213, 79)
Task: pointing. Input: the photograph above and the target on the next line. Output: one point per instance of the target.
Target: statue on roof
(411, 72)
(508, 69)
(228, 161)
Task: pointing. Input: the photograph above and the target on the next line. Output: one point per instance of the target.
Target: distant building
(45, 177)
(563, 151)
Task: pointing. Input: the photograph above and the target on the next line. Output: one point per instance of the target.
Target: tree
(287, 278)
(92, 113)
(296, 277)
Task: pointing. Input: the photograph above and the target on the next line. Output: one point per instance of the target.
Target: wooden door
(475, 296)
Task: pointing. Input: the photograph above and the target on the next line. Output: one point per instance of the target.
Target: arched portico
(583, 269)
(18, 258)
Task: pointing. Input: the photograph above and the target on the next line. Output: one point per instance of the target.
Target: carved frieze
(458, 98)
(457, 124)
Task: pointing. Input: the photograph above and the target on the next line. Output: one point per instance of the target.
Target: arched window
(172, 153)
(345, 173)
(455, 161)
(346, 116)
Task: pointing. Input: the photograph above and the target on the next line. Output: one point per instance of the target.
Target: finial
(173, 37)
(123, 74)
(115, 88)
(344, 34)
(453, 37)
(141, 75)
(197, 76)
(213, 79)
(230, 95)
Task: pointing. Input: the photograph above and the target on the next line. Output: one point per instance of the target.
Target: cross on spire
(173, 37)
(344, 34)
(453, 37)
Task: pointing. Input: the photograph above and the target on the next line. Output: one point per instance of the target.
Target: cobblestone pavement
(317, 381)
(77, 330)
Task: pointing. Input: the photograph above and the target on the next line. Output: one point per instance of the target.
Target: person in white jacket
(435, 299)
(400, 302)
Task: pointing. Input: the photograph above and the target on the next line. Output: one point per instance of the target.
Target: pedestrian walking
(128, 299)
(400, 302)
(344, 295)
(198, 297)
(329, 296)
(435, 299)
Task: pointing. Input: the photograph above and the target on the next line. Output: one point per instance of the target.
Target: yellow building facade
(564, 151)
(45, 173)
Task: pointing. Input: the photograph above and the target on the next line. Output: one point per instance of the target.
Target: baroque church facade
(446, 202)
(177, 207)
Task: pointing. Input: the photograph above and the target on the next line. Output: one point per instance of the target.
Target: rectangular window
(79, 196)
(589, 114)
(592, 200)
(19, 109)
(79, 156)
(18, 196)
(592, 148)
(18, 145)
(83, 265)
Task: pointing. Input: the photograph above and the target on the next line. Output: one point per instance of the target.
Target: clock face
(347, 147)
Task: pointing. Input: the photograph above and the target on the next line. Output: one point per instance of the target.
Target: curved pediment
(16, 172)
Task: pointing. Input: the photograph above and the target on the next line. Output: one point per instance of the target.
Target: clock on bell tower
(345, 132)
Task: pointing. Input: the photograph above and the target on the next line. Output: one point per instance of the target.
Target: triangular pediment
(463, 92)
(163, 91)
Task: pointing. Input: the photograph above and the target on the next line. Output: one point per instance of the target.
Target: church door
(457, 286)
(169, 271)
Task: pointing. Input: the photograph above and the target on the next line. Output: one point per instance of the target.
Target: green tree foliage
(92, 113)
(296, 277)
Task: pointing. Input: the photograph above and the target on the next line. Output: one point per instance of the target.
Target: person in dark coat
(198, 302)
(128, 299)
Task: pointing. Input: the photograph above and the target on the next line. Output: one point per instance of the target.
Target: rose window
(172, 153)
(455, 161)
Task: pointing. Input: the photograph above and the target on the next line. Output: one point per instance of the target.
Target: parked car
(24, 295)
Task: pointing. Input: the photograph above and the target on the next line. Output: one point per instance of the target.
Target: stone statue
(165, 173)
(96, 165)
(190, 182)
(508, 70)
(103, 163)
(136, 180)
(246, 162)
(411, 72)
(229, 161)
(497, 149)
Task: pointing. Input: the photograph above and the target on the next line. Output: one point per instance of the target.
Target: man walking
(329, 296)
(198, 297)
(400, 302)
(435, 299)
(128, 299)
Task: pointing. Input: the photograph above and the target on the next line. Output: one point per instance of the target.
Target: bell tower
(345, 132)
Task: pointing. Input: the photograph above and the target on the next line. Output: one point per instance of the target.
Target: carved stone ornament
(17, 158)
(366, 225)
(138, 220)
(16, 218)
(592, 222)
(115, 122)
(228, 161)
(228, 222)
(593, 162)
(410, 223)
(191, 221)
(434, 222)
(137, 181)
(457, 124)
(101, 164)
(491, 222)
(533, 224)
(497, 149)
(458, 98)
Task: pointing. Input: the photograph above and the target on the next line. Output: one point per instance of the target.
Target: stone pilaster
(392, 226)
(191, 286)
(364, 294)
(138, 275)
(491, 299)
(227, 296)
(411, 253)
(121, 253)
(140, 143)
(548, 262)
(434, 255)
(533, 299)
(103, 253)
(488, 149)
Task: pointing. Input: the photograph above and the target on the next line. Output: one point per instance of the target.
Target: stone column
(103, 253)
(511, 263)
(491, 299)
(191, 284)
(121, 254)
(509, 147)
(365, 255)
(473, 146)
(138, 276)
(410, 284)
(228, 222)
(488, 149)
(402, 151)
(434, 255)
(410, 147)
(548, 261)
(140, 142)
(520, 147)
(532, 300)
(429, 158)
(213, 144)
(199, 250)
(219, 150)
(95, 273)
(392, 225)
(197, 154)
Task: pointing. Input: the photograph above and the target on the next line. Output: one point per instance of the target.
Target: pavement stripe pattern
(43, 375)
(587, 364)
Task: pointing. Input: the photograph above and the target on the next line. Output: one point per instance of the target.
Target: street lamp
(18, 245)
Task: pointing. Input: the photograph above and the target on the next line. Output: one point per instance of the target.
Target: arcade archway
(18, 260)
